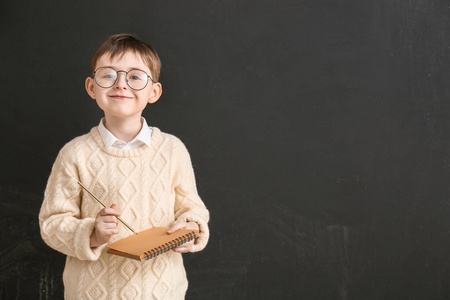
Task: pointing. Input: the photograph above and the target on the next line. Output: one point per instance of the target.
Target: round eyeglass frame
(126, 78)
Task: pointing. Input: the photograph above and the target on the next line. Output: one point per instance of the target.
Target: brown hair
(118, 44)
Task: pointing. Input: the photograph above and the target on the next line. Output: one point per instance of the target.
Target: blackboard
(319, 132)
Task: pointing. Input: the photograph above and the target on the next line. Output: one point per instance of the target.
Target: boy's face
(119, 100)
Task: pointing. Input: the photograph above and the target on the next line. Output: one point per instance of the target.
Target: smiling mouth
(120, 97)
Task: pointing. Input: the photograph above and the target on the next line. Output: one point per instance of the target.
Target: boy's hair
(118, 44)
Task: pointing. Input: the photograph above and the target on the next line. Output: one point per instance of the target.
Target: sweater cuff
(82, 241)
(201, 241)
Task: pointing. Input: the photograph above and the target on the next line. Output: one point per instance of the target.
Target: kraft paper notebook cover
(151, 242)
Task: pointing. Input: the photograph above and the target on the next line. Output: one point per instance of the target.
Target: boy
(145, 175)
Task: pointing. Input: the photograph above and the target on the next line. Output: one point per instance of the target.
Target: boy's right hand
(105, 226)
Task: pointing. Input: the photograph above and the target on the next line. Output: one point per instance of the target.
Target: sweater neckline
(156, 138)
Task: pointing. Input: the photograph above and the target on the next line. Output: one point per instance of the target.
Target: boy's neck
(123, 129)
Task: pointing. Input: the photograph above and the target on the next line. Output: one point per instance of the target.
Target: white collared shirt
(144, 137)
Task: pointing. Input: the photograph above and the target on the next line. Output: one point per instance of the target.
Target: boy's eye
(106, 73)
(135, 77)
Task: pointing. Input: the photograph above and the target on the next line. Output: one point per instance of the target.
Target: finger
(182, 249)
(185, 247)
(114, 206)
(109, 219)
(112, 231)
(109, 211)
(107, 226)
(176, 226)
(192, 225)
(108, 232)
(106, 219)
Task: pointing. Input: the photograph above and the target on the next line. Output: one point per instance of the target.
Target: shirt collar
(144, 137)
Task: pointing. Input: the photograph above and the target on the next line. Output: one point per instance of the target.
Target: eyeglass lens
(106, 77)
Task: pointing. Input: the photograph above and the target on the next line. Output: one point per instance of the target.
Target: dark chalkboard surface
(319, 132)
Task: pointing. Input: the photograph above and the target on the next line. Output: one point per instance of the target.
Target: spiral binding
(170, 245)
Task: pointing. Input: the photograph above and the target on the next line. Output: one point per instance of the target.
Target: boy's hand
(105, 226)
(183, 225)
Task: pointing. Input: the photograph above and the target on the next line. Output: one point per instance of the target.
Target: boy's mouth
(120, 97)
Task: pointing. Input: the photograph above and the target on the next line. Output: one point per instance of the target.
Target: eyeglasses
(136, 79)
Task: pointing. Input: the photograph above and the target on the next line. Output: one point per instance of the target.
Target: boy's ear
(89, 85)
(156, 92)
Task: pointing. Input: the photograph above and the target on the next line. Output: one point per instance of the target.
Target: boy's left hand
(183, 225)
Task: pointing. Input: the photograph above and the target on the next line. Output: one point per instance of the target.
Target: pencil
(103, 204)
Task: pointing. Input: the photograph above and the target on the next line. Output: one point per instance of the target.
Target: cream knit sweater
(152, 186)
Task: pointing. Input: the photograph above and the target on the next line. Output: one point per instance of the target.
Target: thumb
(116, 212)
(175, 227)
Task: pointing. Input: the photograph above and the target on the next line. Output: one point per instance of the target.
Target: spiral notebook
(151, 242)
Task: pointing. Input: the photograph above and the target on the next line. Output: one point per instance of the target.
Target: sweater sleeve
(188, 205)
(62, 227)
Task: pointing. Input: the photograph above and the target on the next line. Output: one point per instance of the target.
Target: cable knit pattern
(152, 186)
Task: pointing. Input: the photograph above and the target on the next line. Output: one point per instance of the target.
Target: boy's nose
(121, 81)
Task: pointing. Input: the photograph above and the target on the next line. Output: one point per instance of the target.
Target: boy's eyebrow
(112, 67)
